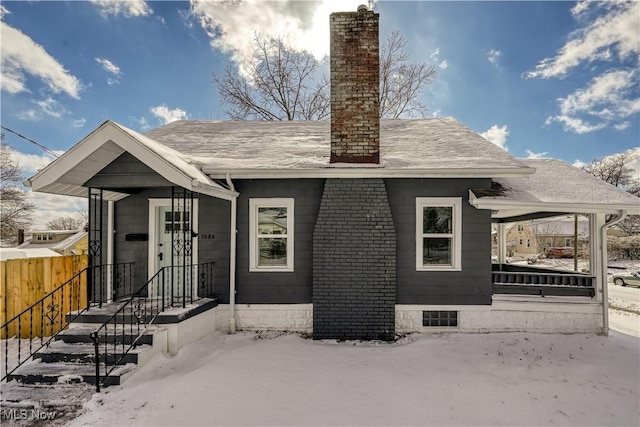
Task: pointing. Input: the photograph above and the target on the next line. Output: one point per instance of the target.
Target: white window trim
(456, 241)
(254, 204)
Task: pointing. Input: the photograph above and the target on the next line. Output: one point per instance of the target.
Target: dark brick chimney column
(355, 87)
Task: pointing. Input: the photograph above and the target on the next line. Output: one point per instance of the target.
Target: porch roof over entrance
(68, 174)
(555, 187)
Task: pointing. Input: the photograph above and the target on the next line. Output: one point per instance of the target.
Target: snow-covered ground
(444, 379)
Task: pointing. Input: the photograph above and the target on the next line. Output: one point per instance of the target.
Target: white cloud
(126, 8)
(493, 56)
(31, 163)
(435, 113)
(3, 11)
(48, 106)
(497, 135)
(611, 35)
(22, 56)
(303, 25)
(49, 206)
(606, 100)
(534, 155)
(31, 115)
(580, 7)
(435, 57)
(110, 68)
(78, 123)
(574, 124)
(579, 164)
(167, 115)
(51, 107)
(141, 123)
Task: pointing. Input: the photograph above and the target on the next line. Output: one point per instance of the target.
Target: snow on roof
(175, 157)
(432, 144)
(15, 253)
(557, 183)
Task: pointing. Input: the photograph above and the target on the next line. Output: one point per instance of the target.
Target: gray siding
(132, 217)
(124, 171)
(472, 285)
(274, 287)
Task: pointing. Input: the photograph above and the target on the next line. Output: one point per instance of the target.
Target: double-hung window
(271, 234)
(438, 233)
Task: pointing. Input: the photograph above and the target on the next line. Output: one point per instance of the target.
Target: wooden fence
(23, 282)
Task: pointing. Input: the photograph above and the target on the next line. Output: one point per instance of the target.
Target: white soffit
(67, 174)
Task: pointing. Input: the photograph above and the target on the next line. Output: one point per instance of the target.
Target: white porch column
(598, 244)
(502, 243)
(110, 227)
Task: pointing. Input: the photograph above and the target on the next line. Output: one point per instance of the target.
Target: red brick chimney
(355, 87)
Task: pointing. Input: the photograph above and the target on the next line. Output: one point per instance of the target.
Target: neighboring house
(15, 253)
(537, 236)
(63, 242)
(521, 240)
(353, 228)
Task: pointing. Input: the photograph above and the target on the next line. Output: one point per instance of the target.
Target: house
(63, 242)
(353, 228)
(538, 236)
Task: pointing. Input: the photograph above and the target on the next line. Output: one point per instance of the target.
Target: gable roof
(433, 147)
(555, 186)
(68, 174)
(56, 246)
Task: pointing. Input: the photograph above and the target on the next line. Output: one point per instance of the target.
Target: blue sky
(554, 79)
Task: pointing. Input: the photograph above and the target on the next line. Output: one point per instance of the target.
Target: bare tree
(615, 170)
(402, 81)
(15, 209)
(76, 222)
(283, 84)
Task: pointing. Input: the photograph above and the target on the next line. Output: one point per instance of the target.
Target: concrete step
(81, 333)
(38, 372)
(60, 351)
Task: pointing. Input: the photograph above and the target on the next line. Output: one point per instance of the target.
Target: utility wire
(46, 149)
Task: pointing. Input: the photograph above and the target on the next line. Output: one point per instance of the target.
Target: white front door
(173, 246)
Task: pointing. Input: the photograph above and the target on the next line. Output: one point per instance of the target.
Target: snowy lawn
(444, 379)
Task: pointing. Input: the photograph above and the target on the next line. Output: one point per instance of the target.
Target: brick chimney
(355, 87)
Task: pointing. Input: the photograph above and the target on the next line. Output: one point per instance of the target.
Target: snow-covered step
(38, 372)
(60, 351)
(82, 334)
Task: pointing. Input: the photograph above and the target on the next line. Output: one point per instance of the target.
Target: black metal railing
(38, 325)
(122, 331)
(542, 284)
(119, 275)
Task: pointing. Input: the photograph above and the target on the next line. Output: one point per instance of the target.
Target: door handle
(160, 256)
